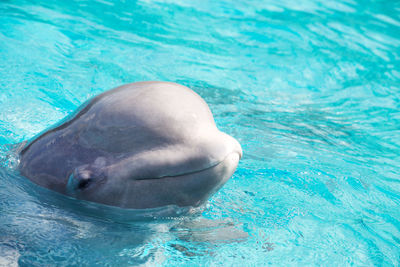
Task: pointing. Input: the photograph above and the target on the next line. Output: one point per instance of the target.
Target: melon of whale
(140, 145)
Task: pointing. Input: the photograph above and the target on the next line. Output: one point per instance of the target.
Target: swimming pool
(310, 90)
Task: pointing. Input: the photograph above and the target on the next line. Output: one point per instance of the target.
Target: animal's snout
(234, 146)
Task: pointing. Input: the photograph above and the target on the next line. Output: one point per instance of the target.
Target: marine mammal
(140, 145)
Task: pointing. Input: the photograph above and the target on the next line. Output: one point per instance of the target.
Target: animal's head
(147, 145)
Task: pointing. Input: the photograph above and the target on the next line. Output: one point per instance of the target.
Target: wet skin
(141, 145)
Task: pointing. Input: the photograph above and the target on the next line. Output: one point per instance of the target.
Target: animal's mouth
(238, 154)
(191, 188)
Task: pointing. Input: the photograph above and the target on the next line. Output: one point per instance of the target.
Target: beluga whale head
(141, 145)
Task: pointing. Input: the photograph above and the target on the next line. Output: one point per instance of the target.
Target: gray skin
(141, 145)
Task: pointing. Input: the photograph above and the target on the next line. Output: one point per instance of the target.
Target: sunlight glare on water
(309, 88)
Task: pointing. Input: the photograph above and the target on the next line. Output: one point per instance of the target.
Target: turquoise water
(310, 89)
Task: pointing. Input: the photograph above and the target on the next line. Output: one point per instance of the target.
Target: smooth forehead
(153, 103)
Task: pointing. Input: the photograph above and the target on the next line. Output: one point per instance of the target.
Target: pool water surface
(311, 90)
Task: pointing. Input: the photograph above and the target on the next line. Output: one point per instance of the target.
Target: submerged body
(141, 145)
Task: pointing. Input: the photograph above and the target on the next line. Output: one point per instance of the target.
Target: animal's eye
(84, 183)
(83, 177)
